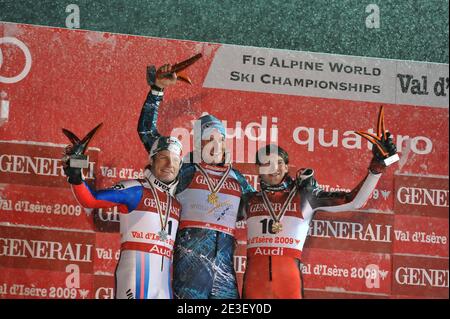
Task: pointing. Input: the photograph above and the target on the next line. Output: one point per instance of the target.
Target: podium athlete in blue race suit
(210, 194)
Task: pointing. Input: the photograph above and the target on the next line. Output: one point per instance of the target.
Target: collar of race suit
(283, 185)
(164, 187)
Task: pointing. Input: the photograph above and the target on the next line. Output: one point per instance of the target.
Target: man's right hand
(163, 82)
(73, 173)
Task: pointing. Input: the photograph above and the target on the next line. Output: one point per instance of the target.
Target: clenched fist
(162, 80)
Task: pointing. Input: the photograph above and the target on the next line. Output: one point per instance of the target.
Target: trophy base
(79, 161)
(391, 160)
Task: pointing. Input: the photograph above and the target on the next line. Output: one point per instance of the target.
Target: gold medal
(213, 198)
(277, 227)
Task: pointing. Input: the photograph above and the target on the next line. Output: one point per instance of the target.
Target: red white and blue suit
(144, 267)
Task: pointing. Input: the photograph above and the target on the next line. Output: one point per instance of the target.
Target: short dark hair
(270, 149)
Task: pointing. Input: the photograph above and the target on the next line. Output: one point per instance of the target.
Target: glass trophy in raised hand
(177, 68)
(381, 141)
(75, 152)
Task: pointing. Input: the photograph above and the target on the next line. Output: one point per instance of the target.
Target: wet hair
(270, 149)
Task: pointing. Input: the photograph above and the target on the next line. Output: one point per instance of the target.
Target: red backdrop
(395, 247)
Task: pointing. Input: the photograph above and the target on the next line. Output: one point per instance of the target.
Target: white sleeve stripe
(157, 93)
(360, 199)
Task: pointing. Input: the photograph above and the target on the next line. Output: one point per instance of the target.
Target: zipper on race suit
(270, 268)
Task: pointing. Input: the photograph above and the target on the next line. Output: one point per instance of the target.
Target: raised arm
(345, 201)
(339, 201)
(125, 195)
(147, 124)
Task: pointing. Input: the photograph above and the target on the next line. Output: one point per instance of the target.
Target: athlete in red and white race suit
(147, 232)
(273, 255)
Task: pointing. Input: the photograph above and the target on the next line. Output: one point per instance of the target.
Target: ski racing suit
(273, 259)
(144, 267)
(205, 243)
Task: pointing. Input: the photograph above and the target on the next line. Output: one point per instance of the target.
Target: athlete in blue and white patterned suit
(149, 216)
(204, 248)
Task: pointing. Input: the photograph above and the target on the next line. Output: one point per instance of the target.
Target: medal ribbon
(168, 188)
(159, 208)
(209, 182)
(283, 209)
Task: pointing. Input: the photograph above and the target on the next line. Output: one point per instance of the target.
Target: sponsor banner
(109, 176)
(346, 271)
(420, 276)
(241, 231)
(410, 297)
(329, 76)
(42, 206)
(71, 283)
(39, 248)
(324, 294)
(106, 220)
(38, 164)
(420, 236)
(240, 258)
(107, 252)
(421, 196)
(354, 231)
(382, 197)
(316, 130)
(104, 287)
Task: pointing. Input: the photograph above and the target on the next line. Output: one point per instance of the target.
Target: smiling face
(165, 165)
(213, 148)
(273, 169)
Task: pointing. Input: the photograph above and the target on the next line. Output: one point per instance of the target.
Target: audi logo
(22, 46)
